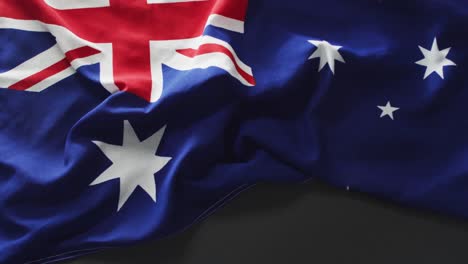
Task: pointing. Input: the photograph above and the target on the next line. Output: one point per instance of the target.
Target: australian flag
(122, 121)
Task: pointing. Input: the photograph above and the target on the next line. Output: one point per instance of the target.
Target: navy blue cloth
(295, 124)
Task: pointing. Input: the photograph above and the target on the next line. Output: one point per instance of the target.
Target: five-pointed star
(387, 110)
(134, 163)
(435, 60)
(327, 53)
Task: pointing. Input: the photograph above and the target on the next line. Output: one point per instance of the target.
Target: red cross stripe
(128, 27)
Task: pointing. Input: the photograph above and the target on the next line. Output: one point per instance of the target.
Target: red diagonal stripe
(79, 53)
(54, 69)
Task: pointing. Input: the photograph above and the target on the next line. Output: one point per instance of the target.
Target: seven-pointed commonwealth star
(435, 60)
(327, 53)
(134, 163)
(387, 110)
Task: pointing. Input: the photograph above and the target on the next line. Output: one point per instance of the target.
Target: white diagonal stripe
(164, 52)
(46, 83)
(31, 66)
(76, 4)
(226, 23)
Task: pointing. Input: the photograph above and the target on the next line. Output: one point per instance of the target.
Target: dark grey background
(309, 223)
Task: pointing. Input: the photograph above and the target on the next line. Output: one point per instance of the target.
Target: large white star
(387, 110)
(327, 53)
(435, 60)
(134, 163)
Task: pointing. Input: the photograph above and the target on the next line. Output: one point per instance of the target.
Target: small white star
(134, 163)
(387, 110)
(327, 53)
(435, 60)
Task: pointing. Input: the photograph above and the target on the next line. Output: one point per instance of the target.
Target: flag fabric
(123, 121)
